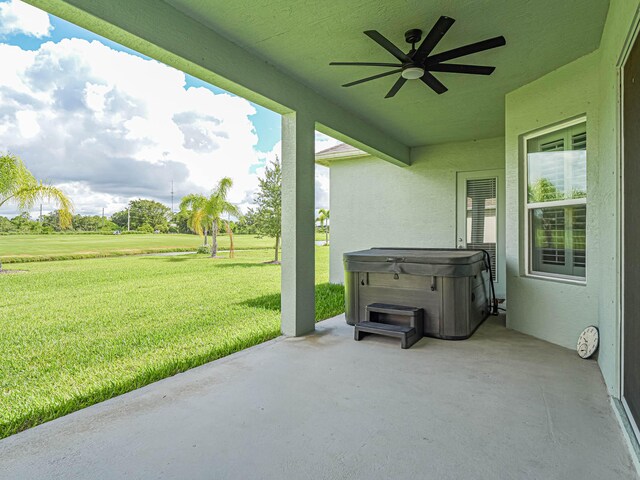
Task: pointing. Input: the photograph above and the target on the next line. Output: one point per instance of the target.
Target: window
(557, 202)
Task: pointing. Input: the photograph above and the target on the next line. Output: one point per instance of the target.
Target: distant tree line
(142, 215)
(147, 216)
(198, 214)
(50, 223)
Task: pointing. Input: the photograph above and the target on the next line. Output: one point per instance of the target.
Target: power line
(171, 196)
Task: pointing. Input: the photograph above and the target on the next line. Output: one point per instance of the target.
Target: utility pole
(102, 217)
(171, 196)
(129, 218)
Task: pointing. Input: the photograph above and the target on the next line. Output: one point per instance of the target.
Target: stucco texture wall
(550, 309)
(617, 33)
(374, 203)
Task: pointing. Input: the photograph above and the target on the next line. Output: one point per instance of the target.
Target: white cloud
(324, 141)
(81, 112)
(109, 126)
(28, 125)
(321, 173)
(17, 17)
(322, 187)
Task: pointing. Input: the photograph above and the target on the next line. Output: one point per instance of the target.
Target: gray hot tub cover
(416, 261)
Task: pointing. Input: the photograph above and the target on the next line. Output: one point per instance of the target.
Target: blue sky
(107, 124)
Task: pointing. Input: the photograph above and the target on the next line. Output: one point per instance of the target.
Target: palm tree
(227, 226)
(193, 205)
(208, 210)
(323, 218)
(18, 185)
(320, 220)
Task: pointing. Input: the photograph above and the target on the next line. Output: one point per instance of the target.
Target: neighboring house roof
(342, 151)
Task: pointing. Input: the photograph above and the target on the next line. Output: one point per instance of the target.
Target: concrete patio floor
(499, 405)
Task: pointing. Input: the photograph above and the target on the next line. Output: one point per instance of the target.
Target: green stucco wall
(617, 32)
(374, 203)
(550, 309)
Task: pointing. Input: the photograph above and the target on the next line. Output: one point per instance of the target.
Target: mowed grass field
(78, 332)
(29, 248)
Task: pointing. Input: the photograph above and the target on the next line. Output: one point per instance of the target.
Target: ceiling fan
(418, 63)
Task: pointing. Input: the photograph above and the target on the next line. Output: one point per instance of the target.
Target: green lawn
(320, 237)
(28, 248)
(78, 332)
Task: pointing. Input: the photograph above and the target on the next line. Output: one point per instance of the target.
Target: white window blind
(482, 227)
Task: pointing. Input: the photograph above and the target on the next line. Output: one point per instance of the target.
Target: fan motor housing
(413, 36)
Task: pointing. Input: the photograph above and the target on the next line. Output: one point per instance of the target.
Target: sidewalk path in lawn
(175, 254)
(165, 254)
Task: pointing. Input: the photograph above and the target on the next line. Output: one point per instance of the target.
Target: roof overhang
(341, 151)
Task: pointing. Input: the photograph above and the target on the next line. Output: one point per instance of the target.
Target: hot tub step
(385, 329)
(392, 309)
(408, 334)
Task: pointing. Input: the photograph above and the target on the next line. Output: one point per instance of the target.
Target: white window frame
(527, 207)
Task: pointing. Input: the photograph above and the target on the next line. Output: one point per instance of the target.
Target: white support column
(298, 222)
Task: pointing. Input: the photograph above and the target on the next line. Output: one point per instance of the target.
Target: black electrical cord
(493, 308)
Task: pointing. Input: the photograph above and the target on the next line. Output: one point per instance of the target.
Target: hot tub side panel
(465, 304)
(453, 306)
(407, 290)
(351, 296)
(451, 286)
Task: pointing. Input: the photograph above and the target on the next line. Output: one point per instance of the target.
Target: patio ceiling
(301, 37)
(276, 53)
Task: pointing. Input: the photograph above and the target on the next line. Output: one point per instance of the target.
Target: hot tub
(451, 286)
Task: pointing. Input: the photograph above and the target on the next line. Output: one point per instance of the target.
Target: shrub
(145, 228)
(203, 249)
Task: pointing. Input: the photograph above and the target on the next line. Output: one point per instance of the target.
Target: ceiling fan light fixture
(420, 63)
(412, 73)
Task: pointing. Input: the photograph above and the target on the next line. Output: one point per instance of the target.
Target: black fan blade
(456, 68)
(387, 45)
(396, 86)
(433, 83)
(380, 75)
(368, 64)
(467, 50)
(433, 37)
